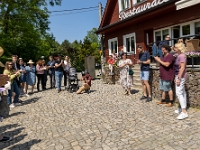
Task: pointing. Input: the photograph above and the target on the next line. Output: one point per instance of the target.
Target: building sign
(141, 8)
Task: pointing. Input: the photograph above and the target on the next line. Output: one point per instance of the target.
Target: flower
(190, 54)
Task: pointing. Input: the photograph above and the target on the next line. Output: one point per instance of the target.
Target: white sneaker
(178, 111)
(12, 106)
(17, 104)
(182, 116)
(27, 95)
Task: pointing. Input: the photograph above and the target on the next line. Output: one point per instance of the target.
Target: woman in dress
(13, 74)
(30, 76)
(126, 80)
(22, 78)
(67, 65)
(180, 77)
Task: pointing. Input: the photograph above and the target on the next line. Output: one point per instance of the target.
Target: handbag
(130, 72)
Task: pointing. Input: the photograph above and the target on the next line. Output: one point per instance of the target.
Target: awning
(186, 3)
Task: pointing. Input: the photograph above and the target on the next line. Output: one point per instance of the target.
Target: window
(129, 43)
(113, 46)
(186, 30)
(197, 27)
(165, 33)
(137, 1)
(124, 4)
(160, 34)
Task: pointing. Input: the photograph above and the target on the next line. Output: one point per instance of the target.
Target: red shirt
(167, 73)
(111, 61)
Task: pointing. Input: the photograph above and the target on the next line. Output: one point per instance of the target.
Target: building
(128, 23)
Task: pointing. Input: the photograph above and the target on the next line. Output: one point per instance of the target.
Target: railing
(184, 37)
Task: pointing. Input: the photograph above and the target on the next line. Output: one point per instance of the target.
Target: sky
(75, 24)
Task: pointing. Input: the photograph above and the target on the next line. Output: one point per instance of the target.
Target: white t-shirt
(67, 65)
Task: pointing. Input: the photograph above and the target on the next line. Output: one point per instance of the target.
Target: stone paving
(104, 119)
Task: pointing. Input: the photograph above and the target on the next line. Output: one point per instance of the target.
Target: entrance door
(175, 34)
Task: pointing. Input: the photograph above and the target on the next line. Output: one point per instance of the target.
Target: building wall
(161, 19)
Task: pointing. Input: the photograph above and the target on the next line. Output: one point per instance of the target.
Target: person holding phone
(59, 65)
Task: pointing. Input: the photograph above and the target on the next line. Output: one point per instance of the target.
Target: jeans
(159, 53)
(16, 90)
(52, 79)
(58, 75)
(181, 93)
(40, 78)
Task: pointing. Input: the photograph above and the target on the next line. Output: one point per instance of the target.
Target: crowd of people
(23, 76)
(172, 70)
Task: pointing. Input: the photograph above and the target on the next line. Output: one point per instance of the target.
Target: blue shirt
(163, 43)
(144, 57)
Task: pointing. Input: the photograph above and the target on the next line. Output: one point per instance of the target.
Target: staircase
(136, 78)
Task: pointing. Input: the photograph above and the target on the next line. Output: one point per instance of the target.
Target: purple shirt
(167, 73)
(180, 59)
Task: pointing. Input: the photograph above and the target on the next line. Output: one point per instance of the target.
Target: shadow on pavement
(31, 100)
(15, 114)
(134, 91)
(16, 138)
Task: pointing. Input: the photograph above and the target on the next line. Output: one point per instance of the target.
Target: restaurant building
(128, 23)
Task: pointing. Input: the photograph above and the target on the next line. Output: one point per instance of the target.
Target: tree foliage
(78, 50)
(23, 28)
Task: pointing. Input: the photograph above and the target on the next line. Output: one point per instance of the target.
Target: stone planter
(192, 86)
(108, 79)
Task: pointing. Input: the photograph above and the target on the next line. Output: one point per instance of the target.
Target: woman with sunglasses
(13, 74)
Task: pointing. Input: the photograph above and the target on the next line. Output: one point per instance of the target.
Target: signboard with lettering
(141, 8)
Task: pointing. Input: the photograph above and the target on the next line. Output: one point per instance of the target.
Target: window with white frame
(159, 35)
(113, 46)
(184, 29)
(124, 4)
(129, 43)
(138, 1)
(197, 27)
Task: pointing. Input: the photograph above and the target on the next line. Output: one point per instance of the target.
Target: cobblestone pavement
(105, 119)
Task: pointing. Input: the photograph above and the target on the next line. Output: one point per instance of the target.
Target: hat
(30, 62)
(1, 51)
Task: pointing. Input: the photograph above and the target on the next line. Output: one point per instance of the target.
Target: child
(111, 62)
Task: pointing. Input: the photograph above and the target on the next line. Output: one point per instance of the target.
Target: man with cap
(87, 83)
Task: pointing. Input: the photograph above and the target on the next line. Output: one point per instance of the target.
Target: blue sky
(74, 26)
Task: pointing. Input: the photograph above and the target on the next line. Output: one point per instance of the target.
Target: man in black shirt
(59, 72)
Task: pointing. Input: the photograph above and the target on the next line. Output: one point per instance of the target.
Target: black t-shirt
(60, 68)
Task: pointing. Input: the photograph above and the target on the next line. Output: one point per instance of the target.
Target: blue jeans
(159, 53)
(16, 90)
(58, 76)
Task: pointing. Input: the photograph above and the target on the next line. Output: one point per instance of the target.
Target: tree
(23, 28)
(91, 36)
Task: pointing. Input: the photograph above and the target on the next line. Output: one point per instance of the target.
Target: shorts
(144, 75)
(165, 85)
